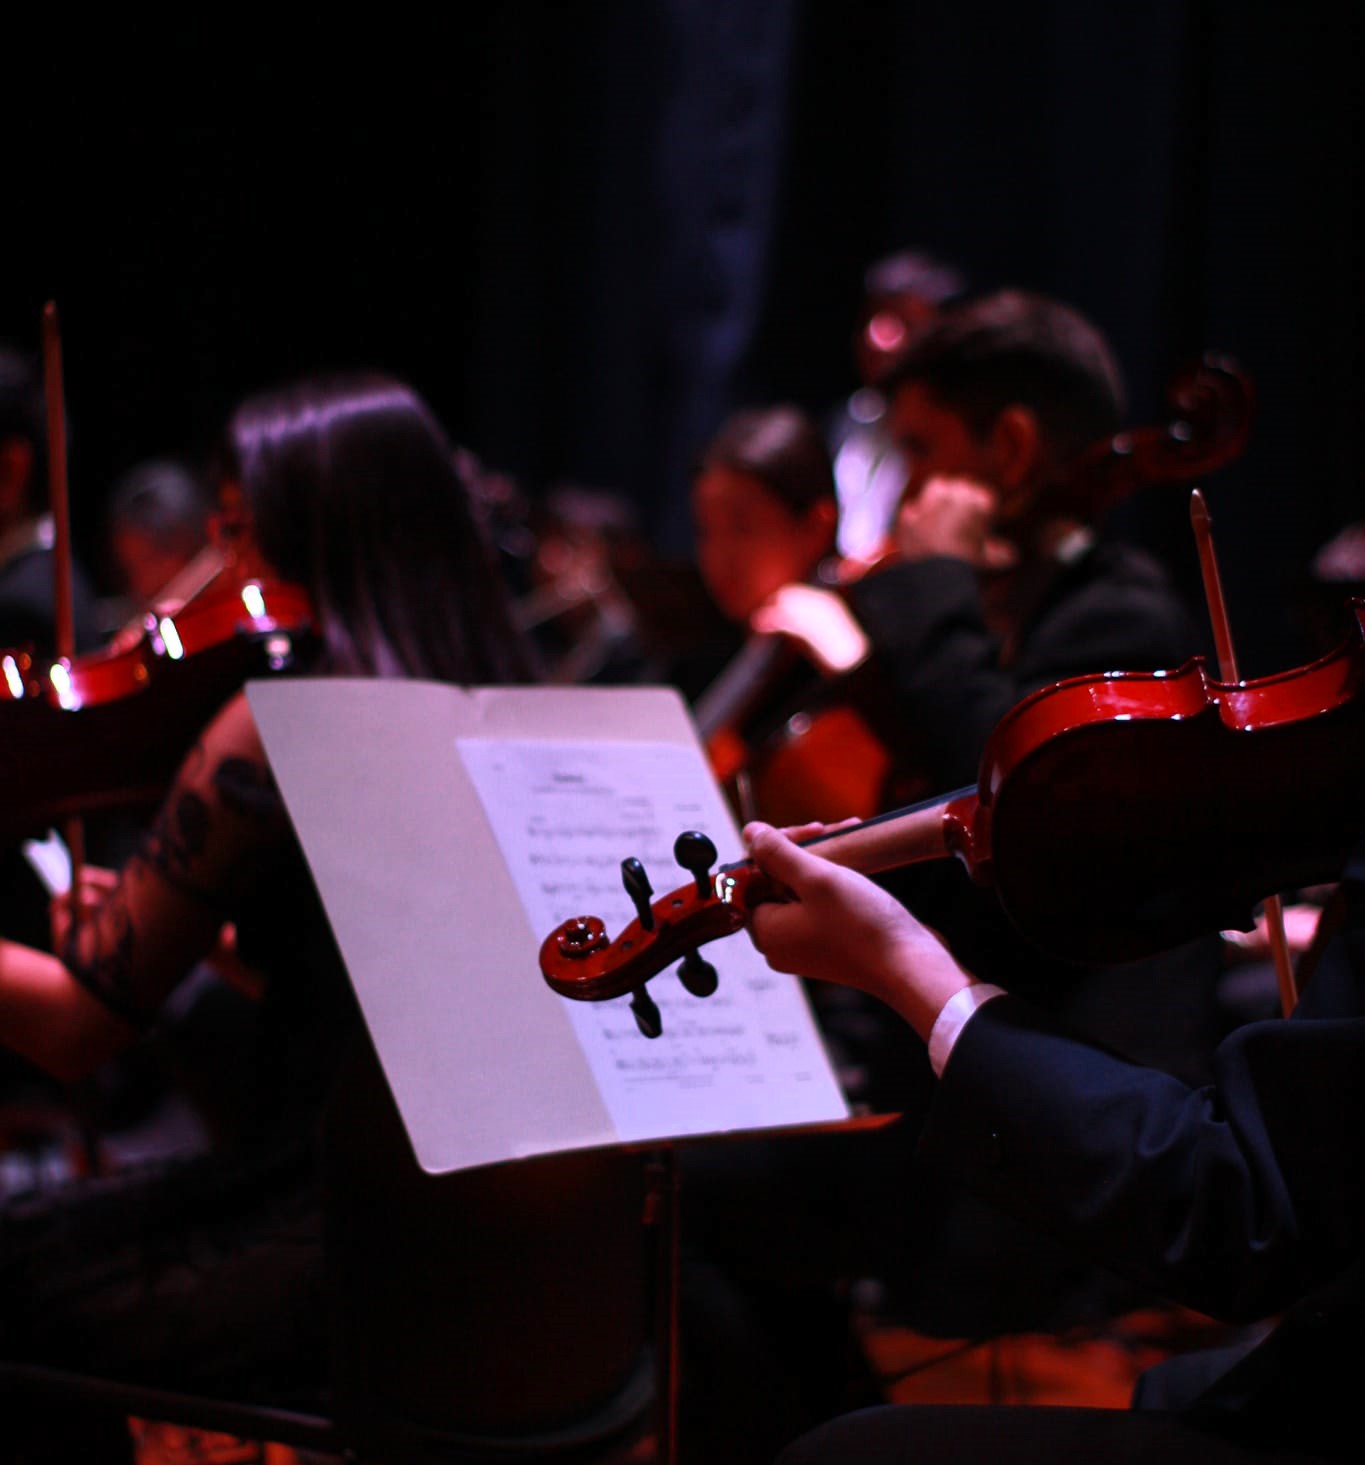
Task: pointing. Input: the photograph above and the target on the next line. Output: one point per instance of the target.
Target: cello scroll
(1213, 403)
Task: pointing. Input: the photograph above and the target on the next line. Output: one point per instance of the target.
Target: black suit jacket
(935, 684)
(1243, 1198)
(27, 600)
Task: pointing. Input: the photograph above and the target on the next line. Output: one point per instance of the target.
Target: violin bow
(1202, 523)
(64, 614)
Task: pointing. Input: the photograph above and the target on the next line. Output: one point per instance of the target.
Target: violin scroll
(579, 961)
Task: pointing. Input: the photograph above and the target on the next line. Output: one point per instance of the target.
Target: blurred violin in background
(1114, 816)
(108, 729)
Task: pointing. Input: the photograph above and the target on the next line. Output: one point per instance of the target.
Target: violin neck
(903, 837)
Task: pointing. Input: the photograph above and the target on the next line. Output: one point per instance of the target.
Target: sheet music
(420, 807)
(564, 814)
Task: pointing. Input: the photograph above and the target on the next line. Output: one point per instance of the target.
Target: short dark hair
(782, 447)
(984, 355)
(162, 499)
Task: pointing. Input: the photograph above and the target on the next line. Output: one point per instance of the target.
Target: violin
(92, 732)
(82, 733)
(1114, 816)
(823, 760)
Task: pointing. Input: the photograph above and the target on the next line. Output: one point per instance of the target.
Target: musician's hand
(820, 621)
(1300, 926)
(842, 928)
(953, 517)
(94, 889)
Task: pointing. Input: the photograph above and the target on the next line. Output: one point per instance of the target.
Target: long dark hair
(354, 494)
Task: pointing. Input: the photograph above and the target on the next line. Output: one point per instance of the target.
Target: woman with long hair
(346, 487)
(209, 1272)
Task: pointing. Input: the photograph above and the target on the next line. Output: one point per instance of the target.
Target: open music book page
(448, 831)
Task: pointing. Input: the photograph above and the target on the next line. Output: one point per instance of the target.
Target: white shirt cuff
(952, 1018)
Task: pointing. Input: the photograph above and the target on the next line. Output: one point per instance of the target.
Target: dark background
(587, 231)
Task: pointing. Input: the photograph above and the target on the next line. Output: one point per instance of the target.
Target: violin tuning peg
(639, 889)
(696, 854)
(647, 1016)
(697, 976)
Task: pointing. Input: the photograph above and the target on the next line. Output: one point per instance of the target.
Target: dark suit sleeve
(1235, 1198)
(1124, 617)
(934, 683)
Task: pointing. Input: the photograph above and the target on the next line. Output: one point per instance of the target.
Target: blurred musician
(28, 599)
(1242, 1198)
(26, 533)
(157, 523)
(902, 294)
(765, 513)
(763, 507)
(207, 1272)
(999, 582)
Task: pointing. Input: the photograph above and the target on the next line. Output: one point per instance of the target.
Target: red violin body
(1121, 815)
(1115, 816)
(107, 729)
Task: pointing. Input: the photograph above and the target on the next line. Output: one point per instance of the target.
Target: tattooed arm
(69, 1013)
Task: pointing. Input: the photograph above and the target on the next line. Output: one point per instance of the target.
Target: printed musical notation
(564, 815)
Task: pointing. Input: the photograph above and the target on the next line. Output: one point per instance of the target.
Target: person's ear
(1017, 453)
(1016, 448)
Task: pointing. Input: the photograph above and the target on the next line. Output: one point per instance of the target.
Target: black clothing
(205, 1271)
(308, 1248)
(27, 601)
(940, 680)
(1241, 1198)
(27, 615)
(943, 680)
